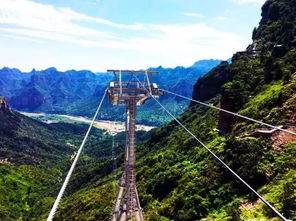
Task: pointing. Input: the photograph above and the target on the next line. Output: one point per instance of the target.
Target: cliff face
(269, 59)
(209, 86)
(4, 105)
(30, 100)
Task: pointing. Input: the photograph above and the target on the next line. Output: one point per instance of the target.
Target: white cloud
(196, 15)
(249, 1)
(221, 18)
(43, 17)
(72, 15)
(190, 40)
(159, 44)
(21, 38)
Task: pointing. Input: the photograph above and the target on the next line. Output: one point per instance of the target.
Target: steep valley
(177, 179)
(35, 157)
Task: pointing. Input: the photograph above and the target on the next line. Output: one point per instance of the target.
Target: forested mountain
(176, 178)
(12, 80)
(179, 180)
(34, 158)
(77, 92)
(52, 91)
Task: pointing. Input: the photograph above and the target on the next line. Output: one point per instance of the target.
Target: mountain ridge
(76, 92)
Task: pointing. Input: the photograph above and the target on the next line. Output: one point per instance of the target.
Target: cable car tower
(132, 93)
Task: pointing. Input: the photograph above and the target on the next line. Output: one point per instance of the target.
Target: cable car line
(66, 181)
(232, 113)
(224, 164)
(147, 87)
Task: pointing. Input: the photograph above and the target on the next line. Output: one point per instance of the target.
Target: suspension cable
(222, 162)
(232, 113)
(62, 190)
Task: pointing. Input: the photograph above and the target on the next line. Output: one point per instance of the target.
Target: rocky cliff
(270, 58)
(4, 104)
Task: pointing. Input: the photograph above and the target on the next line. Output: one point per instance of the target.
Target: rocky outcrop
(4, 104)
(29, 100)
(209, 86)
(225, 120)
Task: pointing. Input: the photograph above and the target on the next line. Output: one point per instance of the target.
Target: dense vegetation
(177, 178)
(35, 157)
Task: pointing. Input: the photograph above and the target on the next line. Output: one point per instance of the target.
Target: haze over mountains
(77, 92)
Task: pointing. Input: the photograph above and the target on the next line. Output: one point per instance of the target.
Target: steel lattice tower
(131, 93)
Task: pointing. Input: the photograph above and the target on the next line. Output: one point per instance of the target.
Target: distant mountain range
(77, 92)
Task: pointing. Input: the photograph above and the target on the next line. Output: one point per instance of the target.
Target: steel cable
(222, 162)
(229, 112)
(66, 181)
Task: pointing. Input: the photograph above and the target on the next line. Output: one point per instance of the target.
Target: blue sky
(101, 34)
